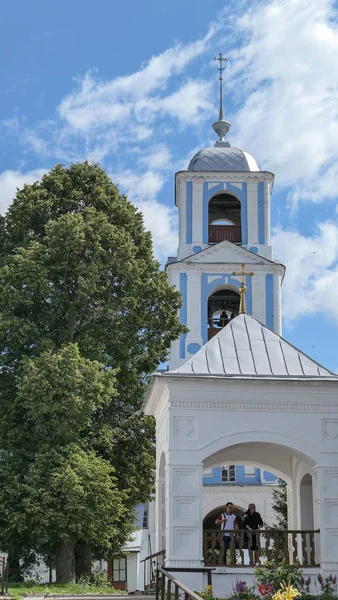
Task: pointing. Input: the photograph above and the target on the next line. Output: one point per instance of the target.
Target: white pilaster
(267, 217)
(277, 304)
(197, 213)
(182, 208)
(258, 298)
(252, 214)
(184, 516)
(194, 309)
(326, 516)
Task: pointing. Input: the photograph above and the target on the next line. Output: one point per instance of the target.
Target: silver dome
(222, 158)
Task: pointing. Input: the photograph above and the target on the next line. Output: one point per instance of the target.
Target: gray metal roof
(222, 158)
(246, 347)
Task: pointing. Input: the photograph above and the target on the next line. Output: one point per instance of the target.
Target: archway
(223, 305)
(224, 219)
(280, 459)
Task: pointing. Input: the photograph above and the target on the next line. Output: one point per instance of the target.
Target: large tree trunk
(83, 559)
(64, 563)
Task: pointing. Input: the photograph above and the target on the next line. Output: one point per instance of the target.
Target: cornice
(224, 177)
(223, 267)
(255, 406)
(240, 488)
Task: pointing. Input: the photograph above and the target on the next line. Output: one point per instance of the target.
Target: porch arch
(270, 451)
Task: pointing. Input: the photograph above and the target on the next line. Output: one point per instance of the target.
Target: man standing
(228, 521)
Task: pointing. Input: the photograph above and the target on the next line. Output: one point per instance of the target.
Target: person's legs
(226, 540)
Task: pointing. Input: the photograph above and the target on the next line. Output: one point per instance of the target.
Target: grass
(16, 591)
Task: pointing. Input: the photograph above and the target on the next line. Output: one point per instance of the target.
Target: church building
(236, 392)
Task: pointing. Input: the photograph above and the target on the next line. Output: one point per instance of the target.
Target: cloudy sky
(133, 85)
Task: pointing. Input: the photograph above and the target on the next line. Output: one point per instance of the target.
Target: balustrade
(250, 547)
(230, 233)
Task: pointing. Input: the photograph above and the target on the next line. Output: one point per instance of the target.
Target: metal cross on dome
(242, 288)
(221, 59)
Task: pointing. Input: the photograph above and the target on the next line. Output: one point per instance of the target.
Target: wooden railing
(219, 233)
(166, 585)
(150, 565)
(247, 547)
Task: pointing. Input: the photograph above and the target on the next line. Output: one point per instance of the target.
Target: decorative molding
(255, 406)
(330, 430)
(262, 490)
(219, 177)
(185, 479)
(185, 428)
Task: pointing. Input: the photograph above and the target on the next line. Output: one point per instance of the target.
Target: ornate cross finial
(221, 127)
(221, 59)
(242, 288)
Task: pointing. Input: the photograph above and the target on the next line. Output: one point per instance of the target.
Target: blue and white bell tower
(223, 201)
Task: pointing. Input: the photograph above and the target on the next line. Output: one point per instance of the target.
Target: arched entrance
(224, 219)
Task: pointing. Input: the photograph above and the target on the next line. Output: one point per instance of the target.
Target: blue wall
(259, 478)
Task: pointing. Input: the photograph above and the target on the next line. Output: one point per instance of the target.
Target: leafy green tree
(279, 505)
(85, 315)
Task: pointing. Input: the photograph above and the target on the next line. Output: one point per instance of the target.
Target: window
(228, 473)
(119, 570)
(145, 519)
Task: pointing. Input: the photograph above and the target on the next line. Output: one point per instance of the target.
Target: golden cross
(242, 288)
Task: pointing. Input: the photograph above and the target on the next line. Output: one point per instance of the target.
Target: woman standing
(252, 522)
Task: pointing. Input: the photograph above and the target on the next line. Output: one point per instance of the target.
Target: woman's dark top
(254, 520)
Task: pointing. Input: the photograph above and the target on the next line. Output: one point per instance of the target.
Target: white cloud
(311, 278)
(96, 102)
(156, 157)
(11, 180)
(283, 76)
(160, 219)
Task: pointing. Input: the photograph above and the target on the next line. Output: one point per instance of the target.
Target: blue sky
(133, 85)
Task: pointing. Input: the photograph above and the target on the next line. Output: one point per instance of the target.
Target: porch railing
(150, 565)
(219, 233)
(168, 587)
(246, 548)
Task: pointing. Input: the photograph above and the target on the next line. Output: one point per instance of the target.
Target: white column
(197, 213)
(258, 297)
(174, 359)
(277, 304)
(184, 515)
(325, 491)
(267, 218)
(252, 214)
(194, 310)
(182, 210)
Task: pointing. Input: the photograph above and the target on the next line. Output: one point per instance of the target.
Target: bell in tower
(223, 201)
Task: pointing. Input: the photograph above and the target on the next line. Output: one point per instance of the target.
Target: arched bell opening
(224, 219)
(223, 305)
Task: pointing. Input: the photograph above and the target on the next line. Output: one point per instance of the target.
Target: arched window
(223, 305)
(224, 219)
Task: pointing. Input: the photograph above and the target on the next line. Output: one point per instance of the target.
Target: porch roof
(246, 347)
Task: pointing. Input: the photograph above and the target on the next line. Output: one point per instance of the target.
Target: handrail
(188, 593)
(153, 555)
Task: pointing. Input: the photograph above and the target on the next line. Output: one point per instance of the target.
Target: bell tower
(223, 201)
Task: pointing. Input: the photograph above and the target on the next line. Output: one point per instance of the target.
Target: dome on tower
(222, 158)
